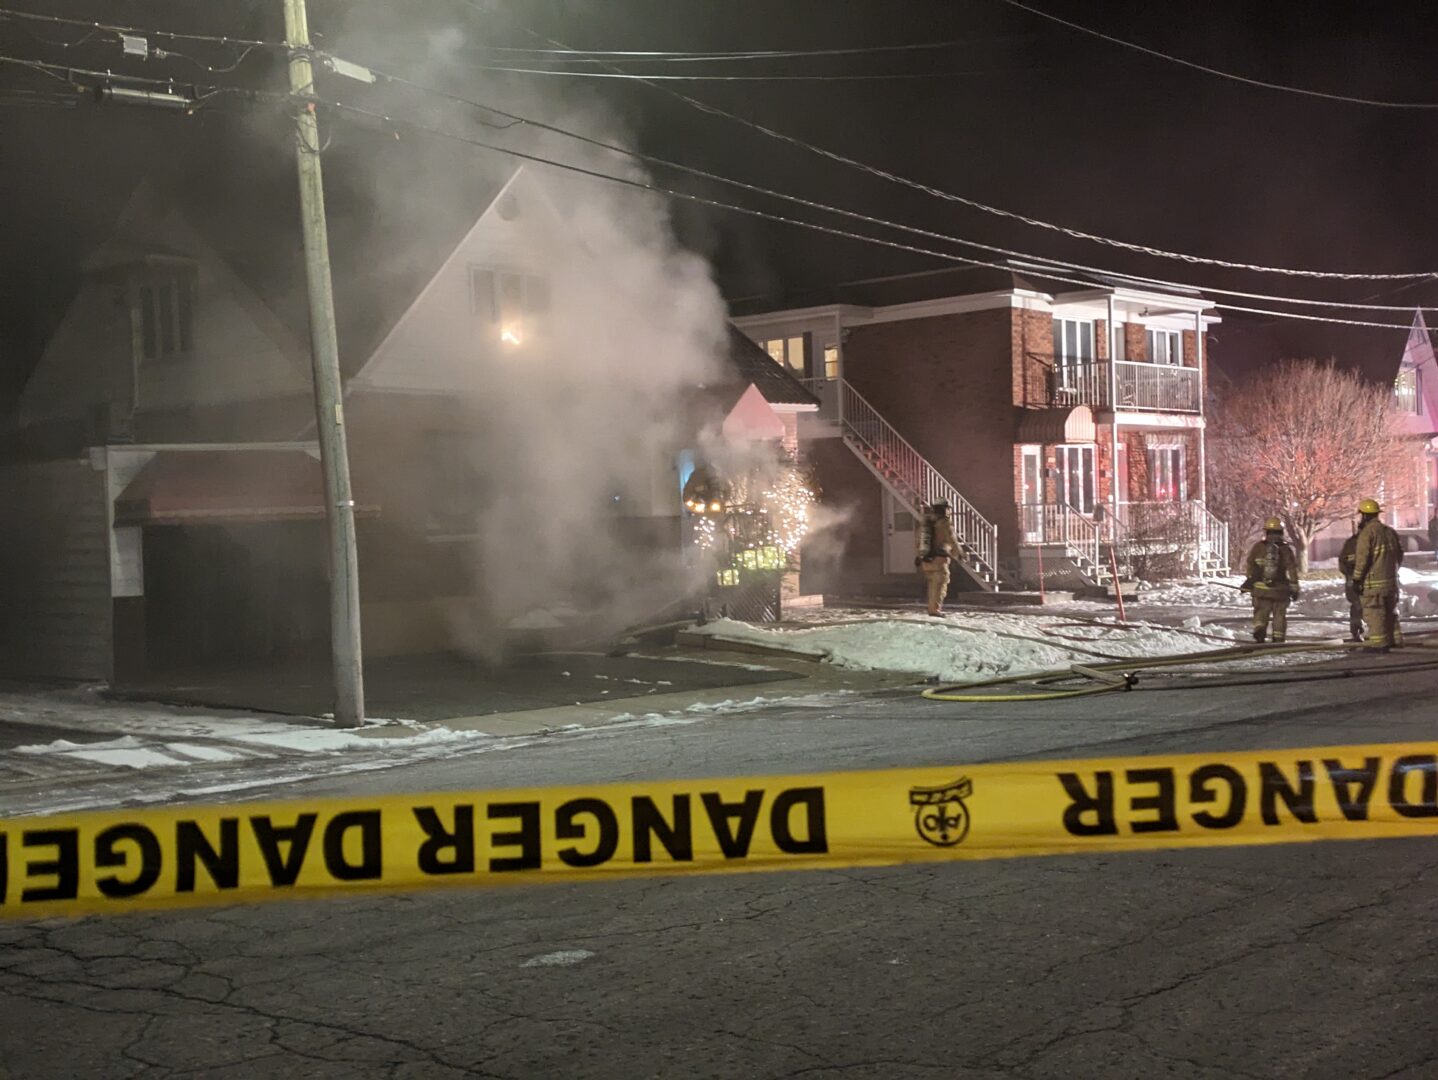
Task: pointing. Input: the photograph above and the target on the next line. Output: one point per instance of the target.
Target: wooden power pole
(329, 404)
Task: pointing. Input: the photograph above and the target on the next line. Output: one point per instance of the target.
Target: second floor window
(1073, 342)
(507, 302)
(167, 313)
(786, 352)
(1407, 392)
(1165, 347)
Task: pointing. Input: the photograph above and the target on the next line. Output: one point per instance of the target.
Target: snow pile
(965, 648)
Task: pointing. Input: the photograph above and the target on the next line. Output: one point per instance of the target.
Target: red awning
(197, 487)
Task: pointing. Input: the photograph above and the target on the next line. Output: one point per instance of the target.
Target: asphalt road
(1308, 960)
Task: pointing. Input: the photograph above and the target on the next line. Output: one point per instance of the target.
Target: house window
(507, 302)
(1407, 391)
(1165, 347)
(1167, 480)
(787, 352)
(1073, 348)
(167, 312)
(831, 361)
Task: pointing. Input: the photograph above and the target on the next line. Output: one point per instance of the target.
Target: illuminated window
(1407, 391)
(507, 300)
(787, 352)
(167, 312)
(1167, 480)
(831, 361)
(1165, 347)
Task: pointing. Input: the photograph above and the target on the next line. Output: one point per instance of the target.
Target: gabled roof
(747, 363)
(1418, 356)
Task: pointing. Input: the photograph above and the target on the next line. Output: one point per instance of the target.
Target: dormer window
(165, 310)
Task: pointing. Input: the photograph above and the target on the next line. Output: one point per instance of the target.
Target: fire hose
(1123, 675)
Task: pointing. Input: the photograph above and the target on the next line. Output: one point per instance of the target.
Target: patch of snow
(563, 958)
(969, 646)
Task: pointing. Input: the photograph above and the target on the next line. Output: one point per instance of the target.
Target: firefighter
(1376, 559)
(1346, 558)
(934, 545)
(1272, 570)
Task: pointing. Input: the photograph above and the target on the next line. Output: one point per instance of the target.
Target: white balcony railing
(1137, 385)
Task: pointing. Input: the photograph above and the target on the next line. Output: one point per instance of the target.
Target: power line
(701, 56)
(692, 197)
(1261, 83)
(113, 28)
(650, 159)
(975, 204)
(893, 76)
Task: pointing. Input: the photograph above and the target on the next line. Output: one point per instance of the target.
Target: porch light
(511, 335)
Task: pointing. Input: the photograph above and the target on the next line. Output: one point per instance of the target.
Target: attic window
(508, 300)
(1407, 392)
(166, 312)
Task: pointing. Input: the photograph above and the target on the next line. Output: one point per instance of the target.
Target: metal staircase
(908, 475)
(1081, 538)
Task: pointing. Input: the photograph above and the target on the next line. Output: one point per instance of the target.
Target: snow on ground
(969, 646)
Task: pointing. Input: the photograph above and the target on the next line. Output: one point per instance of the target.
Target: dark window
(167, 313)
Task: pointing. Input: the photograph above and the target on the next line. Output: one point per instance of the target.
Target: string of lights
(975, 204)
(1347, 99)
(652, 160)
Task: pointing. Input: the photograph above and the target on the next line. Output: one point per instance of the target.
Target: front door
(1076, 485)
(1031, 509)
(899, 526)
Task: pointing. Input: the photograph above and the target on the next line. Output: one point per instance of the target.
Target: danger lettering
(1156, 799)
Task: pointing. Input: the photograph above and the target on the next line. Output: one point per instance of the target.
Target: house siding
(56, 615)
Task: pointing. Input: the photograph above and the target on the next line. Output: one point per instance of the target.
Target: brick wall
(1032, 346)
(947, 384)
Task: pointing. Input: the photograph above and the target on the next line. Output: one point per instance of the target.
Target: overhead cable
(1078, 234)
(1347, 99)
(650, 159)
(686, 196)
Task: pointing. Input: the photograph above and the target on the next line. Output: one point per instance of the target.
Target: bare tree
(1302, 441)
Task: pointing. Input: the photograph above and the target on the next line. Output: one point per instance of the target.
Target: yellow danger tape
(127, 860)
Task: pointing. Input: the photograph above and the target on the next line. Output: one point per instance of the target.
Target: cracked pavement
(1301, 961)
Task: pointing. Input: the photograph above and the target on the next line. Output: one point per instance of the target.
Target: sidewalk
(71, 749)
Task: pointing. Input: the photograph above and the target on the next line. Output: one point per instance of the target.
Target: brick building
(1007, 396)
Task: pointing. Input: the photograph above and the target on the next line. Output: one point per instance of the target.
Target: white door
(1076, 484)
(1030, 510)
(899, 526)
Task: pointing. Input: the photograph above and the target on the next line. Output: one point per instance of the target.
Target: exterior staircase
(1078, 537)
(908, 476)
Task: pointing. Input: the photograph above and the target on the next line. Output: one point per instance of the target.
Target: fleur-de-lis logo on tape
(940, 815)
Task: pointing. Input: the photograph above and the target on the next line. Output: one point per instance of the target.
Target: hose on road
(1122, 675)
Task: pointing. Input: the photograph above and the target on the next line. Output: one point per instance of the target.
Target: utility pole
(345, 652)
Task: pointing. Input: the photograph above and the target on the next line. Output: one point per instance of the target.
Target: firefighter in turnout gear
(934, 545)
(1346, 558)
(1376, 559)
(1272, 570)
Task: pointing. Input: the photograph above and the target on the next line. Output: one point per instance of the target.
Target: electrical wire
(647, 77)
(653, 160)
(680, 56)
(34, 16)
(686, 196)
(927, 189)
(1347, 99)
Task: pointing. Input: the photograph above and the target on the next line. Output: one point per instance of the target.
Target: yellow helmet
(1369, 506)
(1273, 525)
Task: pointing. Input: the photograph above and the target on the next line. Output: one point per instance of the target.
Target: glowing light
(511, 335)
(715, 507)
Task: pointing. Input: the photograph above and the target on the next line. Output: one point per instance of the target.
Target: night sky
(1030, 116)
